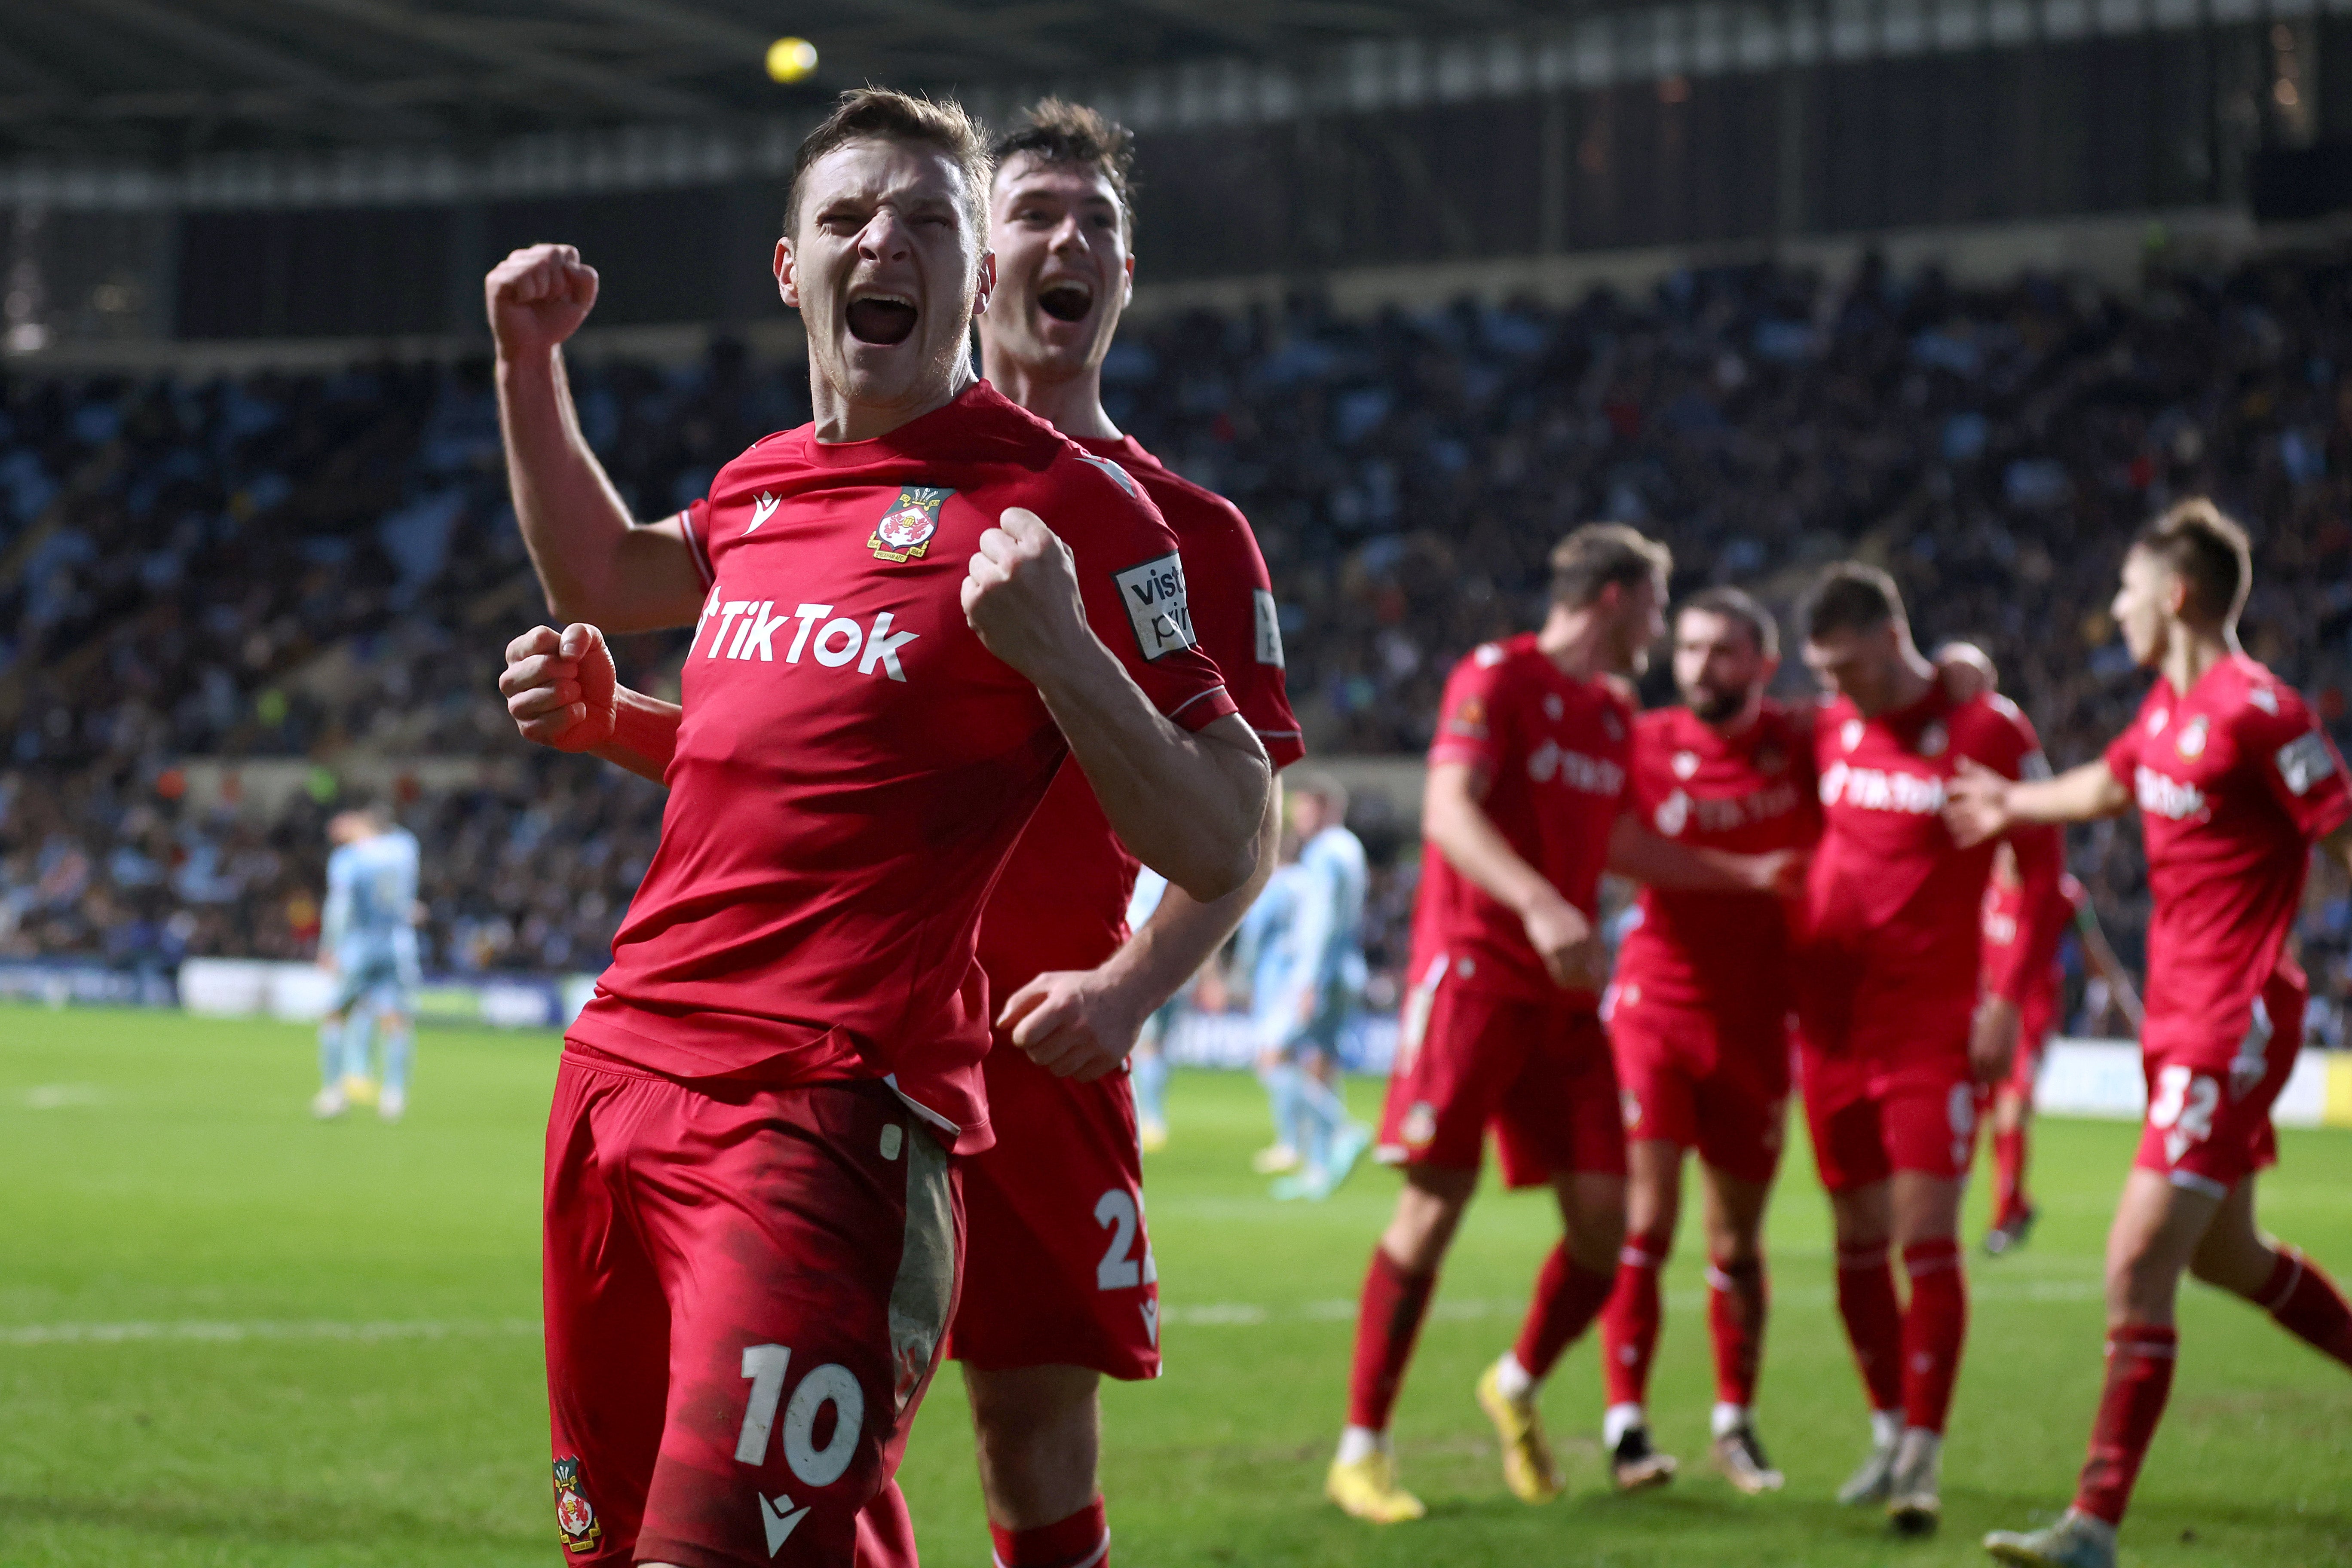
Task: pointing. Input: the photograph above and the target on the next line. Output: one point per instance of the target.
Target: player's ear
(787, 288)
(1127, 295)
(987, 283)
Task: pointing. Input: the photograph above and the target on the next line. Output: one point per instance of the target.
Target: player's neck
(838, 418)
(2188, 653)
(1576, 641)
(1072, 405)
(1914, 679)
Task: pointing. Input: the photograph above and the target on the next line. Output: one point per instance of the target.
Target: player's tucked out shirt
(1061, 901)
(1747, 793)
(1891, 898)
(2235, 781)
(852, 766)
(1555, 751)
(2004, 907)
(371, 892)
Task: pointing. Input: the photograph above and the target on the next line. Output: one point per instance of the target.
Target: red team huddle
(851, 1096)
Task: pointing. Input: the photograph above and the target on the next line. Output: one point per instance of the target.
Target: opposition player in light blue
(1307, 992)
(367, 940)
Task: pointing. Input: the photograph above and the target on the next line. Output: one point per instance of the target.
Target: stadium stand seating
(324, 566)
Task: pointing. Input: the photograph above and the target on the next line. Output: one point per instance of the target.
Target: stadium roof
(162, 80)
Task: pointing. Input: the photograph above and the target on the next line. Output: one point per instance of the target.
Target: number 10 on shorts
(832, 1383)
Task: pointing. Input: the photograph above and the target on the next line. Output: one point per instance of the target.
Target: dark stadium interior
(319, 565)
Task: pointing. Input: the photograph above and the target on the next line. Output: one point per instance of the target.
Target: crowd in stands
(318, 566)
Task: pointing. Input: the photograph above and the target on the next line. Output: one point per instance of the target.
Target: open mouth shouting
(878, 315)
(1066, 298)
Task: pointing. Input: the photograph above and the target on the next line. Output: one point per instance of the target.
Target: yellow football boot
(1527, 1468)
(1367, 1489)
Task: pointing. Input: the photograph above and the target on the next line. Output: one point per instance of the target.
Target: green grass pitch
(232, 1336)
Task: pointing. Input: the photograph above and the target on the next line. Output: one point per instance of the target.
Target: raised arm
(1189, 804)
(1453, 819)
(1981, 804)
(1082, 1023)
(593, 560)
(562, 693)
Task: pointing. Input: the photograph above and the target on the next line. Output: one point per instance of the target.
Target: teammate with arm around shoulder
(2235, 782)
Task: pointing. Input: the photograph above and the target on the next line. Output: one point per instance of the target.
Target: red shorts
(1539, 1073)
(1898, 1096)
(1701, 1082)
(2208, 1100)
(746, 1289)
(1058, 1268)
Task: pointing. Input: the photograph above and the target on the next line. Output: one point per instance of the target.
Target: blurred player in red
(1060, 1289)
(2235, 782)
(1698, 1019)
(753, 1219)
(1527, 793)
(2013, 1103)
(1894, 1040)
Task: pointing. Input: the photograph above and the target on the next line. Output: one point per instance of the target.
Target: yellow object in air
(789, 59)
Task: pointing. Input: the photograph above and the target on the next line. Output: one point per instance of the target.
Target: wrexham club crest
(905, 529)
(574, 1517)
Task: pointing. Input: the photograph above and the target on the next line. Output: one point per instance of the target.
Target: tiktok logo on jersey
(1593, 776)
(1879, 789)
(831, 641)
(2161, 795)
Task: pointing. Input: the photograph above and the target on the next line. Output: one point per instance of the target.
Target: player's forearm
(1188, 805)
(2083, 793)
(645, 734)
(1183, 932)
(1474, 847)
(593, 560)
(2043, 916)
(1637, 853)
(2109, 968)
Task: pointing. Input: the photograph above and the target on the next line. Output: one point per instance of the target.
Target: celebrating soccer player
(1698, 1020)
(2235, 782)
(753, 1213)
(1893, 1041)
(1525, 808)
(2013, 1213)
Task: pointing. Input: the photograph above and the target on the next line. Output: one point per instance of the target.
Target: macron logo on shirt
(760, 632)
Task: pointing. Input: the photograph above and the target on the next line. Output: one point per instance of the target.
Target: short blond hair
(885, 114)
(2205, 548)
(1600, 553)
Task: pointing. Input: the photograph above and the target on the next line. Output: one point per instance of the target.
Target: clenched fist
(558, 687)
(1021, 593)
(537, 298)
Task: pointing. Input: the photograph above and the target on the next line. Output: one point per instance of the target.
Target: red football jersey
(2003, 907)
(1061, 901)
(1555, 751)
(852, 767)
(1749, 793)
(1889, 891)
(2235, 781)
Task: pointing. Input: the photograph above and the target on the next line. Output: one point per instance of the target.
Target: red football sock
(1629, 1324)
(2009, 1177)
(1081, 1541)
(1568, 1297)
(2139, 1377)
(1934, 1329)
(1386, 1326)
(1735, 1318)
(2305, 1301)
(1874, 1322)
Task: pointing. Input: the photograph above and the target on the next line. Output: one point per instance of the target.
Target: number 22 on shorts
(1116, 1212)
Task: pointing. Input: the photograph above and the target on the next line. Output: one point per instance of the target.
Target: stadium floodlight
(789, 59)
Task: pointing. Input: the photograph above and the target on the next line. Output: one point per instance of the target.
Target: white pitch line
(234, 1332)
(1203, 1315)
